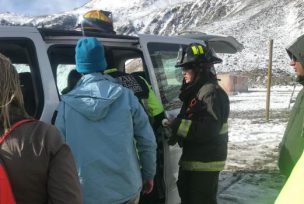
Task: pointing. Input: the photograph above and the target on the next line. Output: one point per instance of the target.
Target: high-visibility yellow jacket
(292, 191)
(141, 88)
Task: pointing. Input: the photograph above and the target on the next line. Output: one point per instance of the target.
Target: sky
(39, 7)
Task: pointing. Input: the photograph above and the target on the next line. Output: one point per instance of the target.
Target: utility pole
(269, 79)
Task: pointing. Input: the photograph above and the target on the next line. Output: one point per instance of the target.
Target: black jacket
(202, 128)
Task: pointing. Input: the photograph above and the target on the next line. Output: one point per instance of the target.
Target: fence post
(269, 79)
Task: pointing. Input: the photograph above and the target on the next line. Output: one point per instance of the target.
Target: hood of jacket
(297, 49)
(93, 95)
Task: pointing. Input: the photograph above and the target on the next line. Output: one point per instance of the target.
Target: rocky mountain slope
(252, 22)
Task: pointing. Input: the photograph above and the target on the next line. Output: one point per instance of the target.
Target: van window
(22, 68)
(169, 78)
(23, 56)
(62, 58)
(134, 65)
(63, 71)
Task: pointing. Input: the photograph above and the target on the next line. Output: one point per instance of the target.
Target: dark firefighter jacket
(201, 127)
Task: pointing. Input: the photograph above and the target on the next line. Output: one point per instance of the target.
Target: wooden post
(269, 79)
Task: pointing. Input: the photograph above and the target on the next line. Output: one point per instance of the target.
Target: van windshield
(169, 77)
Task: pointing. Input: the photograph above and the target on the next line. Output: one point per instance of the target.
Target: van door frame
(171, 153)
(50, 97)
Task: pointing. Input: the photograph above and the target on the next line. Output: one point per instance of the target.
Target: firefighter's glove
(174, 124)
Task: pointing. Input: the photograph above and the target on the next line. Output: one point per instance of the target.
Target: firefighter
(201, 127)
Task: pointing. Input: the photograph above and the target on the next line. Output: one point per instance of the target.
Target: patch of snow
(251, 174)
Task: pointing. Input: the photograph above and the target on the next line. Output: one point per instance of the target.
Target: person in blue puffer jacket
(108, 131)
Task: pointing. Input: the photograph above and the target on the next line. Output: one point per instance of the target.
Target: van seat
(27, 89)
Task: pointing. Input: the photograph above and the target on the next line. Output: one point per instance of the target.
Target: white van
(44, 58)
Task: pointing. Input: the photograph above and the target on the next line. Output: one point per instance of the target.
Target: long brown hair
(10, 93)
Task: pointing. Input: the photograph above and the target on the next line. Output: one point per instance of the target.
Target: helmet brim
(215, 60)
(182, 64)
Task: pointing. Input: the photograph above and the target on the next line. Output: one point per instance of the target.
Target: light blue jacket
(111, 139)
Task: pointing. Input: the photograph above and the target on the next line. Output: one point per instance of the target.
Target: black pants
(197, 187)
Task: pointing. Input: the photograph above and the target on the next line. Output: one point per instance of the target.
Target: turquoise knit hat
(89, 56)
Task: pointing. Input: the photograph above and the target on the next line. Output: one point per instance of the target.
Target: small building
(232, 83)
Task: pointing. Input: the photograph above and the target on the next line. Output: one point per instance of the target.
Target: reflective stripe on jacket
(184, 127)
(202, 166)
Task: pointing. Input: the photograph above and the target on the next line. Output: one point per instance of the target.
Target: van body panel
(49, 54)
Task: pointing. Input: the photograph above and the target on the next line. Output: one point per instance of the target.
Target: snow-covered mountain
(252, 22)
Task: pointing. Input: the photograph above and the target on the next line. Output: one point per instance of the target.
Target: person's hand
(167, 123)
(174, 124)
(147, 186)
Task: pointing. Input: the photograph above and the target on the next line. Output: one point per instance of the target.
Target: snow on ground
(251, 175)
